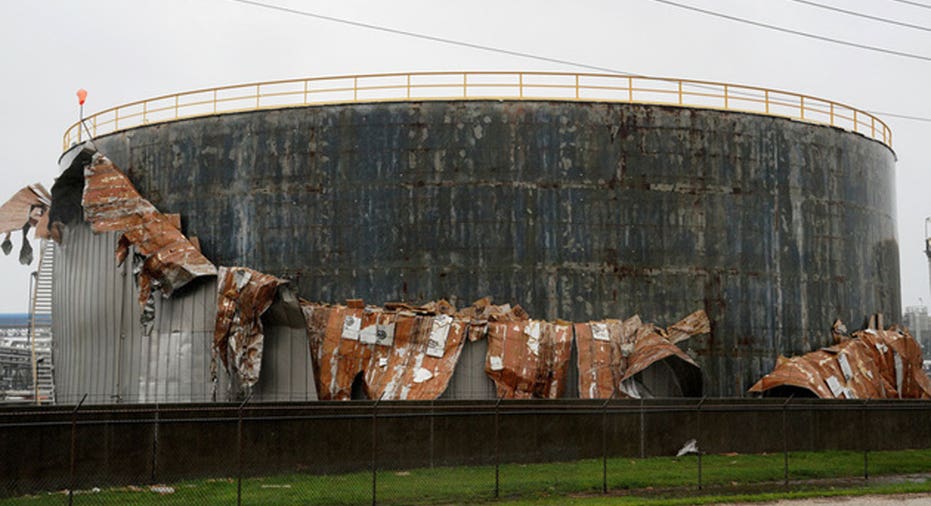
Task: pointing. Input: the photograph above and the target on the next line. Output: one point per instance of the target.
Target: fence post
(642, 431)
(74, 434)
(497, 456)
(432, 418)
(866, 446)
(604, 447)
(699, 441)
(374, 449)
(785, 443)
(239, 445)
(155, 446)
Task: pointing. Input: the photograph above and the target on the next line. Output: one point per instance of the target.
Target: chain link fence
(446, 452)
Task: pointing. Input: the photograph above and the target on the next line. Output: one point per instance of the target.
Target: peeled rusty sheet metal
(337, 360)
(612, 352)
(27, 208)
(871, 364)
(28, 205)
(421, 359)
(528, 358)
(403, 352)
(243, 295)
(111, 203)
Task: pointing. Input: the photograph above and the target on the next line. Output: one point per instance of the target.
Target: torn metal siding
(873, 364)
(111, 203)
(528, 358)
(337, 360)
(243, 295)
(402, 352)
(613, 352)
(420, 362)
(27, 208)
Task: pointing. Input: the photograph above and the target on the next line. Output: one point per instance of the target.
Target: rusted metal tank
(575, 210)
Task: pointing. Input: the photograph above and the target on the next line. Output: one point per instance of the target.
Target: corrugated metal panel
(104, 353)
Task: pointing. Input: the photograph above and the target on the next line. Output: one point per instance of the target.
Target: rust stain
(871, 364)
(243, 295)
(613, 352)
(27, 208)
(111, 203)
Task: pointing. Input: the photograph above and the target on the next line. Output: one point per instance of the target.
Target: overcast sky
(122, 51)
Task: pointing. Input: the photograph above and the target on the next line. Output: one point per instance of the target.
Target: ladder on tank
(40, 325)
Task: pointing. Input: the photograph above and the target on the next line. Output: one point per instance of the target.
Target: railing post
(576, 86)
(766, 99)
(214, 101)
(465, 85)
(74, 435)
(680, 92)
(145, 114)
(497, 453)
(239, 452)
(726, 106)
(116, 120)
(258, 95)
(832, 113)
(801, 107)
(176, 106)
(355, 89)
(604, 447)
(306, 90)
(408, 86)
(855, 120)
(630, 88)
(520, 85)
(873, 126)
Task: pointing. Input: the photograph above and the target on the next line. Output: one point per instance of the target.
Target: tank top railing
(422, 86)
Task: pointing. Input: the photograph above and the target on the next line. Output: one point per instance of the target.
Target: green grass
(660, 481)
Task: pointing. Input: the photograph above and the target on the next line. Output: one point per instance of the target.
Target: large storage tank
(575, 209)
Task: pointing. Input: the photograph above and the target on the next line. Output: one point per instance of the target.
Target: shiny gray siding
(104, 353)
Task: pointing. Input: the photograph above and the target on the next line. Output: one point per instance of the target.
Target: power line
(916, 4)
(862, 15)
(796, 32)
(901, 116)
(479, 46)
(432, 38)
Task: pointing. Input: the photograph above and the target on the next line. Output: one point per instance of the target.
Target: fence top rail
(477, 85)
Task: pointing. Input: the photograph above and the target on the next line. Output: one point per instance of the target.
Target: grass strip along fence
(658, 480)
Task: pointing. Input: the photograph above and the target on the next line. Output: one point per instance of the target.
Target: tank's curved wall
(574, 210)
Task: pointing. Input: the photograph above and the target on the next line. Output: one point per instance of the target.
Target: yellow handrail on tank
(420, 86)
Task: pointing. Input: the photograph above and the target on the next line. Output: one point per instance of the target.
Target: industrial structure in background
(287, 238)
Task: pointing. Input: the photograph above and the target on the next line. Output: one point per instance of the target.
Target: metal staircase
(40, 325)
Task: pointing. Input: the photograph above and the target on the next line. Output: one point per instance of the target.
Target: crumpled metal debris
(403, 352)
(111, 203)
(418, 362)
(27, 208)
(871, 364)
(612, 353)
(243, 295)
(336, 360)
(528, 358)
